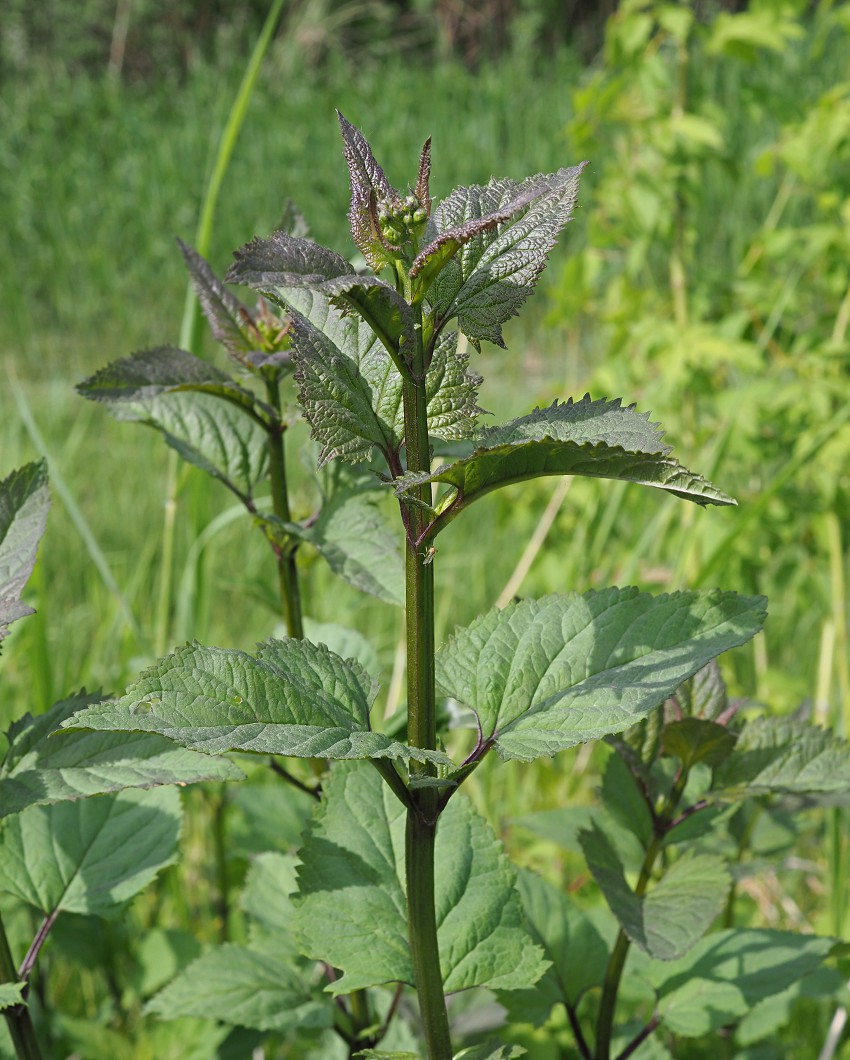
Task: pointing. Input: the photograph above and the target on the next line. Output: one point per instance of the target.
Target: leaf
(729, 972)
(91, 855)
(485, 283)
(150, 373)
(44, 766)
(351, 909)
(244, 987)
(353, 534)
(451, 391)
(598, 439)
(785, 756)
(676, 912)
(369, 185)
(693, 740)
(266, 897)
(225, 313)
(704, 696)
(292, 698)
(544, 675)
(282, 265)
(218, 438)
(491, 1051)
(350, 390)
(11, 994)
(624, 800)
(571, 942)
(24, 501)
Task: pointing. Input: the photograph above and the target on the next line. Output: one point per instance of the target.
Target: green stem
(422, 725)
(290, 593)
(18, 1019)
(617, 960)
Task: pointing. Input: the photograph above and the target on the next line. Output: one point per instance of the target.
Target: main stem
(422, 726)
(290, 594)
(17, 1018)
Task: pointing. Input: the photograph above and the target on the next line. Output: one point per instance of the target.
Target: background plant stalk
(18, 1017)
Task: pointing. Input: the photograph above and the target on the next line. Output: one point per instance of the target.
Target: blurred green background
(706, 276)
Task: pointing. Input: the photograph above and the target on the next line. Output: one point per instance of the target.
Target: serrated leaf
(350, 390)
(380, 1054)
(694, 740)
(351, 909)
(216, 437)
(544, 675)
(43, 766)
(150, 373)
(729, 972)
(266, 896)
(575, 947)
(368, 185)
(88, 856)
(11, 994)
(282, 265)
(563, 440)
(785, 756)
(244, 987)
(677, 911)
(225, 313)
(292, 698)
(360, 545)
(24, 502)
(487, 278)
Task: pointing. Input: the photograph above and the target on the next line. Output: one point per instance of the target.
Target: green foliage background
(705, 276)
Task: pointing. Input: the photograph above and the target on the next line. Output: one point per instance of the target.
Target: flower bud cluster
(402, 220)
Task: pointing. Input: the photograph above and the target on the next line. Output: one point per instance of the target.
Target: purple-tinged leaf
(369, 186)
(229, 320)
(423, 177)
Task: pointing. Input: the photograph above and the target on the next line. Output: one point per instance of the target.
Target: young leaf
(245, 987)
(43, 766)
(675, 913)
(729, 972)
(88, 856)
(491, 1051)
(785, 756)
(225, 313)
(283, 265)
(694, 740)
(351, 909)
(369, 187)
(704, 696)
(353, 535)
(292, 698)
(598, 439)
(218, 438)
(24, 502)
(486, 282)
(570, 940)
(543, 675)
